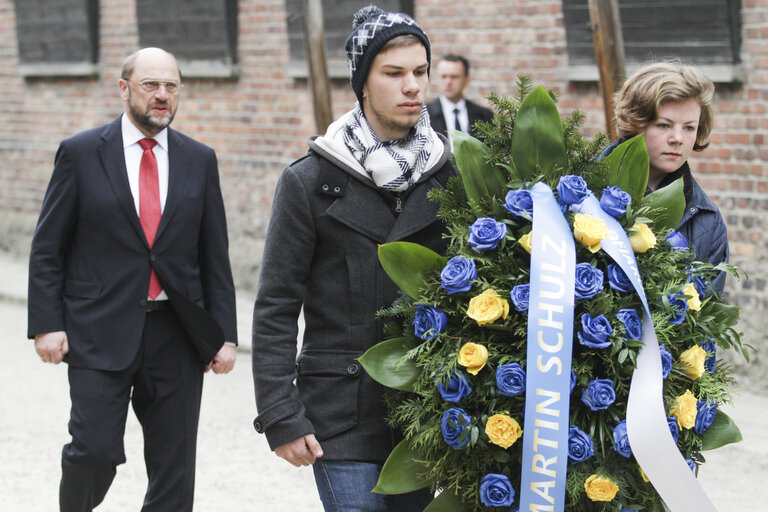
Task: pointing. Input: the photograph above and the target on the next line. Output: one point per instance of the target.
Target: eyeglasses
(171, 87)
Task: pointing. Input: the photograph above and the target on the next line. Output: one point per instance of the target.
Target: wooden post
(314, 44)
(609, 53)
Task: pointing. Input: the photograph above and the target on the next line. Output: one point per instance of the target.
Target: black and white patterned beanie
(372, 28)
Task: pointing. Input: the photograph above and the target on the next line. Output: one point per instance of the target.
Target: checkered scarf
(394, 165)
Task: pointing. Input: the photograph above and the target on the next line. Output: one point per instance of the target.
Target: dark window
(337, 24)
(202, 32)
(702, 32)
(57, 32)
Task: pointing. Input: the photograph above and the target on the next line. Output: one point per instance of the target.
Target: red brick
(259, 123)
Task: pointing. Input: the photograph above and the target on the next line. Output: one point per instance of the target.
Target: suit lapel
(112, 156)
(177, 163)
(471, 113)
(437, 118)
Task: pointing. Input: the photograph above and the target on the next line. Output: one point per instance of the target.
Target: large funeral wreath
(458, 348)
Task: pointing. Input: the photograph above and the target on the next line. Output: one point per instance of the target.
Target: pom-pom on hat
(372, 28)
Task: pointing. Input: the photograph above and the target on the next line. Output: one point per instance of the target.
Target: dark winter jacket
(321, 255)
(701, 224)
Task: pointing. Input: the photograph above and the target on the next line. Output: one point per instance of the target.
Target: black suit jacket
(90, 261)
(474, 111)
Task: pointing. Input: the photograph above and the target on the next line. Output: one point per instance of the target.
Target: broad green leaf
(401, 473)
(724, 314)
(537, 142)
(481, 180)
(671, 201)
(447, 501)
(628, 167)
(409, 265)
(383, 363)
(723, 431)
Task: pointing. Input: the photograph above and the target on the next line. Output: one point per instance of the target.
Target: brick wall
(258, 123)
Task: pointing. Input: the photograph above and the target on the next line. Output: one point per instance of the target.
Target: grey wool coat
(321, 255)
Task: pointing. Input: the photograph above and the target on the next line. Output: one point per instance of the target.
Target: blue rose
(678, 308)
(519, 203)
(631, 321)
(594, 332)
(458, 274)
(618, 280)
(615, 201)
(572, 189)
(456, 388)
(589, 281)
(496, 491)
(579, 445)
(520, 296)
(628, 510)
(701, 285)
(666, 361)
(599, 394)
(691, 464)
(510, 379)
(486, 233)
(706, 411)
(676, 240)
(573, 380)
(452, 425)
(674, 428)
(621, 440)
(711, 360)
(429, 321)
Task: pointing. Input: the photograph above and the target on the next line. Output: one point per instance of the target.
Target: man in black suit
(451, 111)
(130, 284)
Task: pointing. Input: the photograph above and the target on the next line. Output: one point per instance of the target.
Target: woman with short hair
(671, 104)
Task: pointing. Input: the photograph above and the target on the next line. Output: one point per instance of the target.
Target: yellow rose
(525, 241)
(693, 361)
(473, 356)
(684, 409)
(487, 307)
(503, 430)
(642, 474)
(589, 231)
(600, 488)
(643, 238)
(694, 303)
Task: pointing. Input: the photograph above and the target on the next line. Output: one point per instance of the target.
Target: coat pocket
(82, 289)
(329, 384)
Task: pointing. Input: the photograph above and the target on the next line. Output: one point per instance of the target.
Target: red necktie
(149, 203)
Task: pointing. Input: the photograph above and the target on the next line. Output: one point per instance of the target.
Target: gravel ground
(235, 469)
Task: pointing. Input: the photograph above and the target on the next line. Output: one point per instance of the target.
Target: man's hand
(51, 346)
(224, 360)
(301, 452)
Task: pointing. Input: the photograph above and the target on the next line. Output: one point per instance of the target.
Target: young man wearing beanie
(362, 184)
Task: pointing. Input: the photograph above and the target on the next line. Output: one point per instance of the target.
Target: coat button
(353, 369)
(152, 257)
(257, 426)
(325, 187)
(692, 209)
(337, 189)
(143, 302)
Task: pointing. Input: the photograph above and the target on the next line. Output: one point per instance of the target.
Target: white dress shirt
(133, 151)
(463, 116)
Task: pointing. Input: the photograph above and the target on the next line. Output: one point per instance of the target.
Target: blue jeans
(345, 486)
